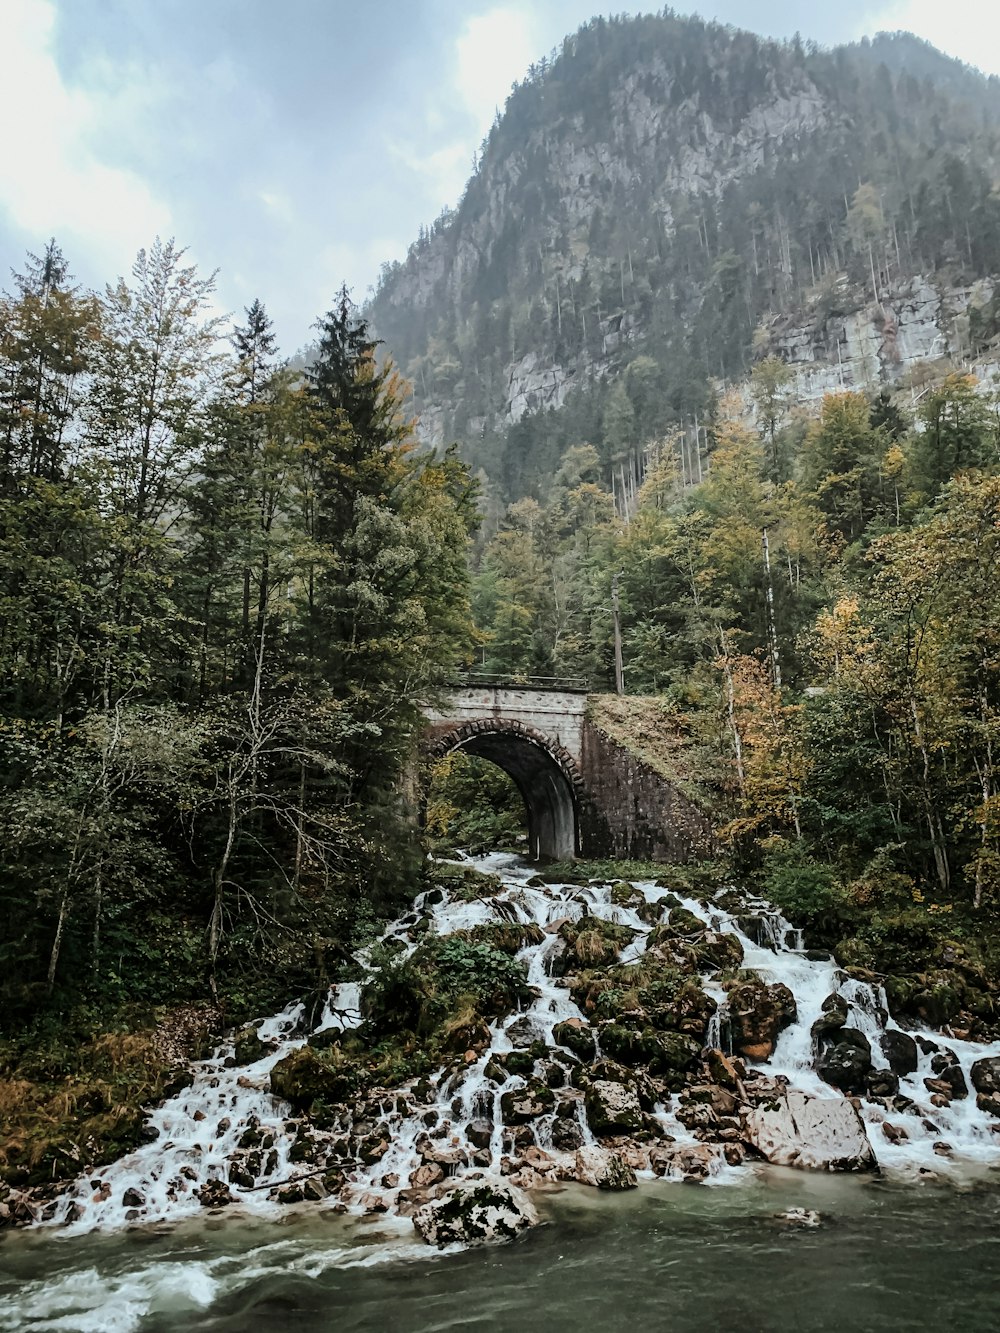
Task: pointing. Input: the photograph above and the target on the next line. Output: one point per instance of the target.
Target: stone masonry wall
(631, 812)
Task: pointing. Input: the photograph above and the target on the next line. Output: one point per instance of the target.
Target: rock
(248, 1047)
(881, 1084)
(628, 1045)
(605, 1171)
(613, 1108)
(431, 1173)
(690, 1161)
(945, 1065)
(576, 1036)
(894, 1133)
(988, 1102)
(939, 1086)
(434, 1150)
(799, 1217)
(133, 1199)
(816, 1133)
(524, 1104)
(985, 1074)
(313, 1190)
(214, 1194)
(567, 1135)
(375, 1146)
(409, 1200)
(757, 1014)
(832, 1019)
(474, 1213)
(302, 1077)
(847, 1063)
(900, 1050)
(523, 1032)
(479, 1133)
(721, 1069)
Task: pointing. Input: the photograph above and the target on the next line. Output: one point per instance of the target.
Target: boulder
(214, 1194)
(881, 1084)
(613, 1108)
(479, 1132)
(303, 1077)
(900, 1050)
(831, 1020)
(945, 1065)
(431, 1173)
(604, 1170)
(847, 1063)
(986, 1075)
(474, 1213)
(523, 1032)
(524, 1104)
(567, 1135)
(691, 1161)
(757, 1014)
(815, 1133)
(248, 1047)
(722, 1070)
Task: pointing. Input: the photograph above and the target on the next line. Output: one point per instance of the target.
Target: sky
(293, 145)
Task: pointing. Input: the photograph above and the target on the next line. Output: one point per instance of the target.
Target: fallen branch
(305, 1175)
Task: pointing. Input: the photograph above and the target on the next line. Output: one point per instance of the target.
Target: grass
(649, 728)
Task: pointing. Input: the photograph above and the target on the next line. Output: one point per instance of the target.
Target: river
(886, 1256)
(915, 1248)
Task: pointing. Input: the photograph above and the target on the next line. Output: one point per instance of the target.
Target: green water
(889, 1256)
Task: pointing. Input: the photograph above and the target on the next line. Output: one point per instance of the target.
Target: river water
(918, 1247)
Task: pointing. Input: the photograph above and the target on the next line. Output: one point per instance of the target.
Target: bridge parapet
(556, 713)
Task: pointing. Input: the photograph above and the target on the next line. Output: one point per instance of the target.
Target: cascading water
(227, 1128)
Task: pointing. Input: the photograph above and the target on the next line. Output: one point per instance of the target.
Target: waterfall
(228, 1132)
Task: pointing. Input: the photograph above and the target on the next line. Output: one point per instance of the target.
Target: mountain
(666, 201)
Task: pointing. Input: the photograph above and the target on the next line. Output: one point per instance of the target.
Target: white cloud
(54, 181)
(492, 51)
(967, 29)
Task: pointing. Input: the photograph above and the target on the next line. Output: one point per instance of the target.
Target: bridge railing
(513, 681)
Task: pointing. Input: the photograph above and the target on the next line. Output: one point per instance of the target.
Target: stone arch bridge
(583, 793)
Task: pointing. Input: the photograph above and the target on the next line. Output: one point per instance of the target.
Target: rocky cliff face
(918, 323)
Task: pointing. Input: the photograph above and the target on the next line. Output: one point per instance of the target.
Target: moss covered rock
(757, 1014)
(248, 1047)
(305, 1076)
(475, 1213)
(522, 1105)
(613, 1108)
(576, 1036)
(595, 943)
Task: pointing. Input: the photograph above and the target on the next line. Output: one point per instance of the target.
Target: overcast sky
(293, 144)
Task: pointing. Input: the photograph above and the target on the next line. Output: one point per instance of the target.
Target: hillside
(667, 201)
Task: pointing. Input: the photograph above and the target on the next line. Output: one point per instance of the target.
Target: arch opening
(473, 805)
(546, 779)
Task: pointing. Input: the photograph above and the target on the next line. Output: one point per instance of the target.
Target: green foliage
(807, 891)
(473, 805)
(220, 613)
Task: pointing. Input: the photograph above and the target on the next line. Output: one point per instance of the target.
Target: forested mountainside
(665, 201)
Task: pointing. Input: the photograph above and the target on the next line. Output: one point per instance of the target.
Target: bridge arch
(544, 772)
